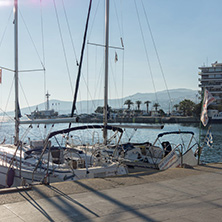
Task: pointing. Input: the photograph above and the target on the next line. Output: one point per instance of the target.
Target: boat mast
(106, 72)
(80, 64)
(16, 72)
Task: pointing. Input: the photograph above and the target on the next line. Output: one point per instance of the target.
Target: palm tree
(176, 106)
(138, 103)
(147, 105)
(156, 105)
(128, 103)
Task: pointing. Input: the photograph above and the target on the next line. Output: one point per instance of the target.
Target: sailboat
(159, 156)
(42, 161)
(145, 154)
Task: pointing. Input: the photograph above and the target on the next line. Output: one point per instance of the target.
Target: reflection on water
(213, 154)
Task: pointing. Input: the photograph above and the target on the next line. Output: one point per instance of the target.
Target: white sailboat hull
(56, 172)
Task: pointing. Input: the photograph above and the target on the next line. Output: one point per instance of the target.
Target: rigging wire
(87, 75)
(86, 82)
(121, 15)
(25, 96)
(121, 41)
(122, 44)
(93, 20)
(5, 114)
(3, 35)
(157, 54)
(147, 57)
(97, 83)
(63, 46)
(98, 90)
(43, 47)
(114, 81)
(88, 91)
(32, 41)
(123, 72)
(10, 91)
(117, 17)
(42, 62)
(70, 34)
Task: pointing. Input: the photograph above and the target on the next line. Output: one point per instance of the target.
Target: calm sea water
(208, 155)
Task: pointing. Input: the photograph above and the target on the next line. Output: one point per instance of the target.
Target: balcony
(210, 79)
(210, 85)
(219, 74)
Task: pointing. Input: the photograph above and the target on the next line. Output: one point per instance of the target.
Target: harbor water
(209, 154)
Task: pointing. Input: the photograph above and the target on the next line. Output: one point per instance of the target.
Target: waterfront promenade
(180, 194)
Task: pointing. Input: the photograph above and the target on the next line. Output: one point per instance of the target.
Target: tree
(197, 110)
(161, 112)
(128, 103)
(147, 105)
(176, 106)
(187, 107)
(99, 109)
(138, 103)
(156, 105)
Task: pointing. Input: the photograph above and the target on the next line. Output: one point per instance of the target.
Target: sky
(184, 36)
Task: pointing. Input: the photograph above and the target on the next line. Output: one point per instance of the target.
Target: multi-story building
(211, 79)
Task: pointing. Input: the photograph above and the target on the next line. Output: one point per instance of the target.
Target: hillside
(176, 95)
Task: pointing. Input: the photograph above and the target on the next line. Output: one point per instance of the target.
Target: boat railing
(46, 145)
(73, 140)
(93, 136)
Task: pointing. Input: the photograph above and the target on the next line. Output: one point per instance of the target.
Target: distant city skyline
(186, 35)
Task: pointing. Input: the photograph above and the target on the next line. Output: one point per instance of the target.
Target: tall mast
(80, 64)
(106, 72)
(16, 72)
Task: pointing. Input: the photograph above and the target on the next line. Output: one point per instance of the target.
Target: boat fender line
(68, 177)
(10, 177)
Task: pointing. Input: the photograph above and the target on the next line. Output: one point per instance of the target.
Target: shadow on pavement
(63, 203)
(123, 206)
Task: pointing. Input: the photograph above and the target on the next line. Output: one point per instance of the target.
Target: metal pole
(16, 73)
(106, 72)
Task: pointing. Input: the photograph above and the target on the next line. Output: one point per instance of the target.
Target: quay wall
(143, 119)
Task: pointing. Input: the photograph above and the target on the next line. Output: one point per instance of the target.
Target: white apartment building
(211, 79)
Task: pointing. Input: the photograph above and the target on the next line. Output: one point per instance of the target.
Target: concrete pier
(144, 119)
(179, 194)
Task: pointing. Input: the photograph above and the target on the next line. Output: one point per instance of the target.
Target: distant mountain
(161, 97)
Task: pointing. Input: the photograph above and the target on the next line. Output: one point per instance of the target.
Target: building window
(205, 70)
(218, 69)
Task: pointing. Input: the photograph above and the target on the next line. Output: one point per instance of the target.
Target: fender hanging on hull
(10, 177)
